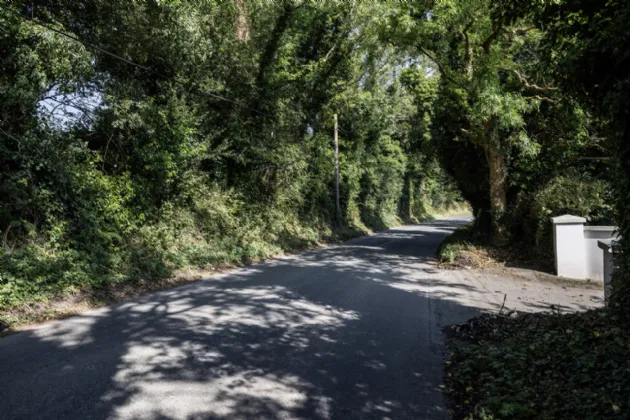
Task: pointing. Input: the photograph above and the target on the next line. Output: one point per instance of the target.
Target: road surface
(350, 331)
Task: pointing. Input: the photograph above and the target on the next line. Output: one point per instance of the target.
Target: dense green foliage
(517, 146)
(206, 139)
(544, 366)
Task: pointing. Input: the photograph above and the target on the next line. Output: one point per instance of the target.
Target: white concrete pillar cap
(568, 219)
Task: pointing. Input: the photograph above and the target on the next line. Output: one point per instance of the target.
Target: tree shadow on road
(349, 331)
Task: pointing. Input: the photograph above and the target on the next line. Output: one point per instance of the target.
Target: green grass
(540, 366)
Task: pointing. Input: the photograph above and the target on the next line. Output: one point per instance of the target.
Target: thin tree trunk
(468, 53)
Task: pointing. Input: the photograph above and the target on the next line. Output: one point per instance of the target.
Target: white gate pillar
(569, 246)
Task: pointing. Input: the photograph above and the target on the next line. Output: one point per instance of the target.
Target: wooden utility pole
(336, 136)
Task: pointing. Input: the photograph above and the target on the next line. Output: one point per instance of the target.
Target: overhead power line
(129, 62)
(118, 57)
(74, 38)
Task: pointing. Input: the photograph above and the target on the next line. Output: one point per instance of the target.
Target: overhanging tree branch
(543, 99)
(528, 85)
(468, 56)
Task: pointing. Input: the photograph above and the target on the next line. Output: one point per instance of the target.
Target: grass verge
(457, 209)
(455, 248)
(428, 213)
(542, 366)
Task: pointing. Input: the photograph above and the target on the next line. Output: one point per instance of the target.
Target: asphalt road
(345, 332)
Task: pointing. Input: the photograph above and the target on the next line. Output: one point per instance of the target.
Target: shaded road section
(345, 332)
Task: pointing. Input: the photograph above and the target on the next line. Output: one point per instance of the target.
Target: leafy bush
(543, 366)
(576, 194)
(579, 194)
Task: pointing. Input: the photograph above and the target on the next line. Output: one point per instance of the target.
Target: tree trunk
(498, 191)
(406, 198)
(242, 22)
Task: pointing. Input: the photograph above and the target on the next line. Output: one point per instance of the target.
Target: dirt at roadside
(525, 290)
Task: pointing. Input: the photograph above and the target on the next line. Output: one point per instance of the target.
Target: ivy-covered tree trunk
(498, 191)
(407, 197)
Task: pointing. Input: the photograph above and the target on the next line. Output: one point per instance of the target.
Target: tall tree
(488, 72)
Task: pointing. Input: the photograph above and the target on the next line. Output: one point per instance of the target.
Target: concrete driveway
(346, 332)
